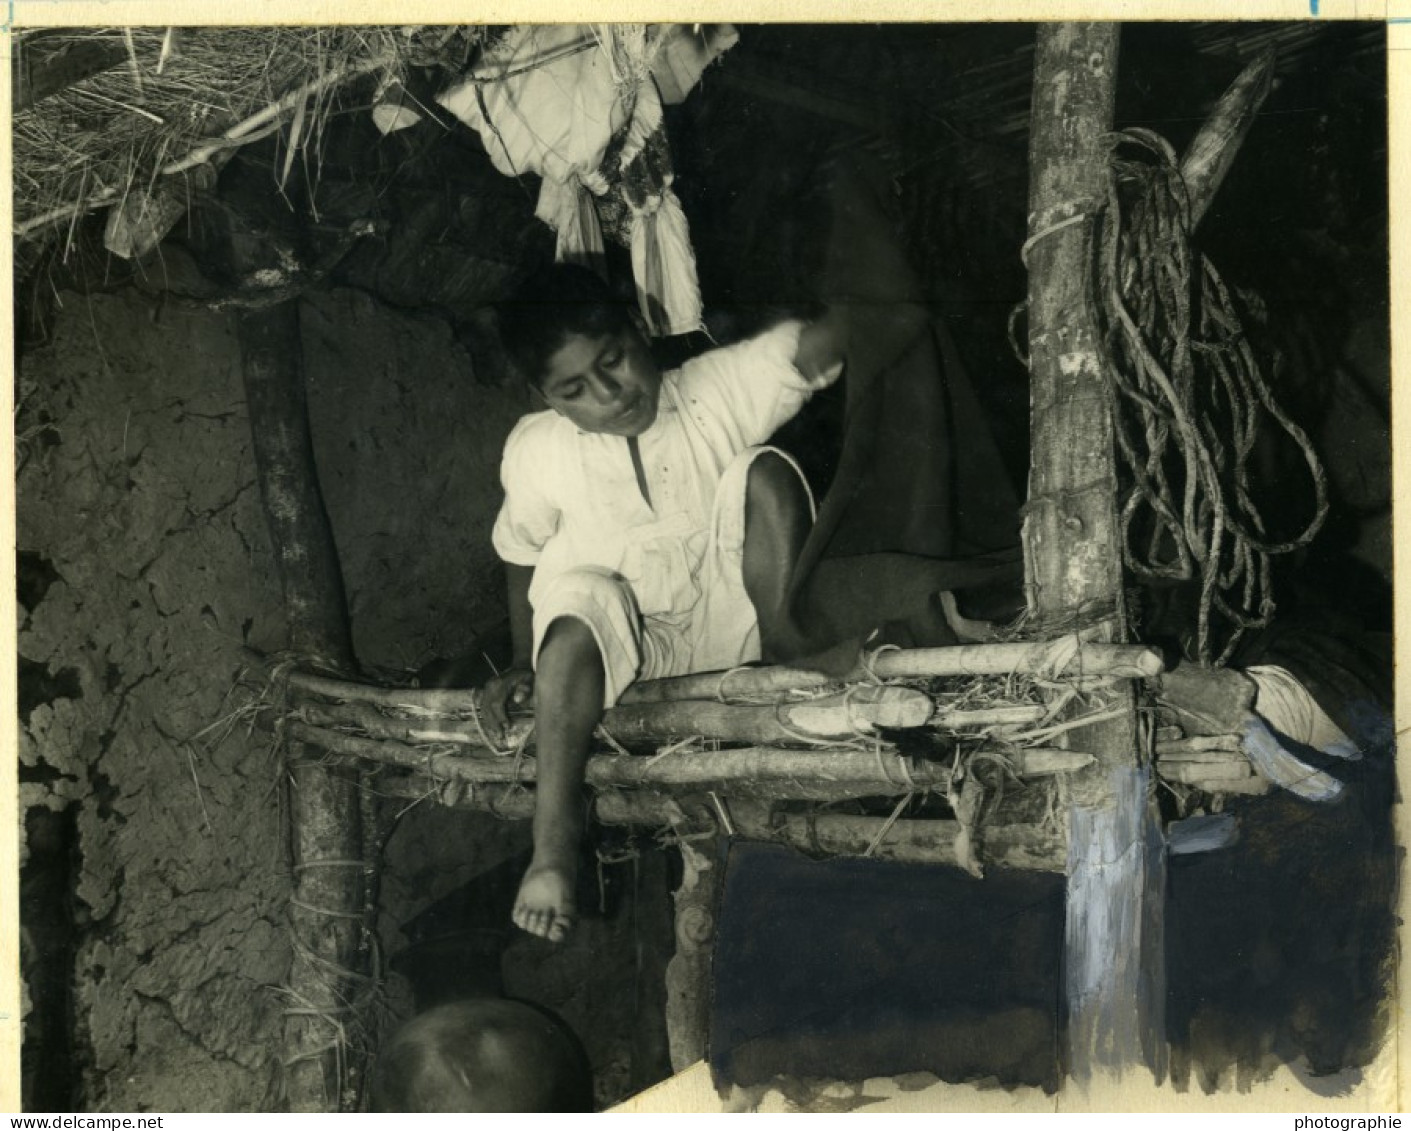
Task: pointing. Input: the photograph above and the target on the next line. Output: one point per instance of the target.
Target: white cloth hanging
(551, 99)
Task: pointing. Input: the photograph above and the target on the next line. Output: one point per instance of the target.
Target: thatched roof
(102, 112)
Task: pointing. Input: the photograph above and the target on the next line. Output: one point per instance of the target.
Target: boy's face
(607, 383)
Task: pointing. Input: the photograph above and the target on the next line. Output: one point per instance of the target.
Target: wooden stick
(1199, 773)
(1046, 761)
(1224, 779)
(1035, 658)
(1015, 715)
(243, 131)
(1202, 748)
(1066, 655)
(428, 700)
(1213, 150)
(699, 769)
(1254, 786)
(423, 729)
(639, 808)
(1027, 847)
(1214, 763)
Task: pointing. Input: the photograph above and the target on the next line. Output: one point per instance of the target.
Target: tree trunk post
(327, 912)
(1113, 946)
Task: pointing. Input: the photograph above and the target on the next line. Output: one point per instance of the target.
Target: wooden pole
(1028, 847)
(1114, 975)
(1213, 149)
(307, 560)
(658, 722)
(327, 912)
(1067, 656)
(833, 771)
(688, 972)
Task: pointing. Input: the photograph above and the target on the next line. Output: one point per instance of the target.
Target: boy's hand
(511, 688)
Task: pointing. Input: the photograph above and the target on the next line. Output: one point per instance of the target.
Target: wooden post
(1113, 966)
(327, 913)
(688, 972)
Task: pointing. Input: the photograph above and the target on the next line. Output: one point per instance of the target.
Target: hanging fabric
(579, 105)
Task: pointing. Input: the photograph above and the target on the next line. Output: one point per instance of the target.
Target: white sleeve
(528, 517)
(754, 383)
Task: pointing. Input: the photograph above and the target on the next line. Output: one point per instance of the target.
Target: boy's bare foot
(545, 904)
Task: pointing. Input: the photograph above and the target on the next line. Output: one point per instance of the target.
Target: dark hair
(483, 1054)
(551, 304)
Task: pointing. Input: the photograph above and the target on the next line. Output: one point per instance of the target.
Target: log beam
(1070, 657)
(1114, 977)
(1025, 847)
(1064, 657)
(44, 63)
(834, 771)
(846, 715)
(327, 908)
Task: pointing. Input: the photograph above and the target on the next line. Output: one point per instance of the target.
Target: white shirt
(571, 497)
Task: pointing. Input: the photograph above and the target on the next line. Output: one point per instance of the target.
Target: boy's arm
(821, 349)
(514, 686)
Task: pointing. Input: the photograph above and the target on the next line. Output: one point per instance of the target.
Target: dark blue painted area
(856, 968)
(1278, 951)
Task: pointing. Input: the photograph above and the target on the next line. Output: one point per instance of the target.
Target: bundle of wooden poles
(755, 736)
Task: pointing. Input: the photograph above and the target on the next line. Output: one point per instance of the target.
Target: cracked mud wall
(148, 571)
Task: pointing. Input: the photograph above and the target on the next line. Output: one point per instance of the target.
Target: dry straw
(181, 97)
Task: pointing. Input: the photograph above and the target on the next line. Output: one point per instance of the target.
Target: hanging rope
(1189, 402)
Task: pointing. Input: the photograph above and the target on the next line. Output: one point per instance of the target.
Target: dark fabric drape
(920, 501)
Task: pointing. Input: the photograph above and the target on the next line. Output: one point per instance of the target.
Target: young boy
(645, 534)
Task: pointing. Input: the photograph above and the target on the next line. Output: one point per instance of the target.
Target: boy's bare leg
(568, 704)
(777, 522)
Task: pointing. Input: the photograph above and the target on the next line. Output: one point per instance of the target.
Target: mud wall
(155, 892)
(146, 573)
(408, 445)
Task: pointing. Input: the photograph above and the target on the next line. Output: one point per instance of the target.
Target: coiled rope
(1189, 401)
